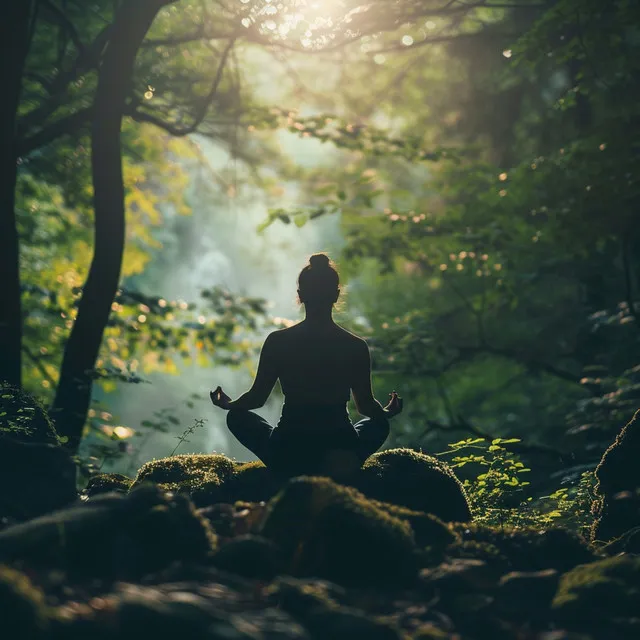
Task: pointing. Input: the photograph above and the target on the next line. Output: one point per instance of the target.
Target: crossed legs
(254, 432)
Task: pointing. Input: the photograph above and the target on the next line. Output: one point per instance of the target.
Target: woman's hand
(220, 399)
(395, 404)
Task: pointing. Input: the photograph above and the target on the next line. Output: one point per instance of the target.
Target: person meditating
(318, 364)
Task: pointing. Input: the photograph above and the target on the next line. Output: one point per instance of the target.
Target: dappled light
(320, 319)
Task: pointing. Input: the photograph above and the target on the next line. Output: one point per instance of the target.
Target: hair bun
(319, 260)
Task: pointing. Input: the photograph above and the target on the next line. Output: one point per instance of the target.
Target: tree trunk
(15, 34)
(73, 395)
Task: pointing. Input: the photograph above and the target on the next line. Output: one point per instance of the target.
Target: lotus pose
(318, 364)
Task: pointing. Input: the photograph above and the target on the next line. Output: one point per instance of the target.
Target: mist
(219, 245)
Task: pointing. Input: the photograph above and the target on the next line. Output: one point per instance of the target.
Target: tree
(15, 33)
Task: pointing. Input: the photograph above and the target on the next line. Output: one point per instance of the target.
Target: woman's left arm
(264, 382)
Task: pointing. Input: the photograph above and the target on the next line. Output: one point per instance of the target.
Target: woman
(318, 364)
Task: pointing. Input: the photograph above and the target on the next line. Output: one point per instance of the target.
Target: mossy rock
(201, 476)
(617, 504)
(23, 418)
(600, 590)
(106, 483)
(329, 531)
(429, 531)
(113, 536)
(24, 614)
(210, 478)
(522, 549)
(412, 479)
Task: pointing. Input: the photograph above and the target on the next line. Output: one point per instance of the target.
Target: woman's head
(318, 282)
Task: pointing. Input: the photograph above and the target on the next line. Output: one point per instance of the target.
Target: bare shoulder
(282, 335)
(354, 342)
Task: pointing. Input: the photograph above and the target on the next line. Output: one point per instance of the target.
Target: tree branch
(64, 126)
(58, 16)
(181, 130)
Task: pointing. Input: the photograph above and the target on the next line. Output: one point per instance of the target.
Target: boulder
(35, 478)
(412, 479)
(23, 418)
(107, 483)
(522, 548)
(201, 476)
(329, 531)
(599, 591)
(113, 536)
(617, 503)
(36, 474)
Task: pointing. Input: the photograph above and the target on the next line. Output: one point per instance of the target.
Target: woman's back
(316, 363)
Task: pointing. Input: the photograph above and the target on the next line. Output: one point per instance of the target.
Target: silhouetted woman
(318, 364)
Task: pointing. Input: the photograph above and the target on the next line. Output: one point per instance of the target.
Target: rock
(599, 591)
(251, 557)
(113, 536)
(36, 473)
(201, 476)
(348, 624)
(24, 614)
(300, 597)
(460, 575)
(333, 532)
(617, 504)
(165, 613)
(522, 549)
(316, 605)
(527, 592)
(106, 483)
(411, 479)
(36, 478)
(23, 418)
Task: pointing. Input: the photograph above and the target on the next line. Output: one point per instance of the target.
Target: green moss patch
(412, 479)
(521, 549)
(600, 590)
(108, 482)
(201, 476)
(22, 417)
(334, 532)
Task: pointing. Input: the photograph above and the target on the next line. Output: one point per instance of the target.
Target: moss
(334, 532)
(113, 536)
(107, 482)
(22, 417)
(202, 477)
(429, 530)
(24, 615)
(617, 504)
(170, 530)
(522, 549)
(301, 597)
(602, 589)
(411, 479)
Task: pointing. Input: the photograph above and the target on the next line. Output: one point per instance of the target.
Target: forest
(472, 167)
